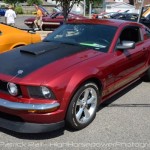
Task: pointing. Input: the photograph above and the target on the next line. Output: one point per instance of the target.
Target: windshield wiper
(70, 43)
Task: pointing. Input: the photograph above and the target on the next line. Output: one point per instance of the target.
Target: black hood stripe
(35, 56)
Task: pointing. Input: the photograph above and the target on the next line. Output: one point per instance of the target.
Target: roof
(111, 22)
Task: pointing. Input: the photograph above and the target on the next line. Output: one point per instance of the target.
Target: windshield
(98, 37)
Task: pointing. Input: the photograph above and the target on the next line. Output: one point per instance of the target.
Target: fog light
(46, 92)
(43, 111)
(12, 89)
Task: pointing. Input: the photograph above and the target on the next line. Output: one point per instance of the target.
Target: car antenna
(19, 72)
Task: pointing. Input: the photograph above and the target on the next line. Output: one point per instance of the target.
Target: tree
(14, 2)
(67, 6)
(94, 3)
(37, 2)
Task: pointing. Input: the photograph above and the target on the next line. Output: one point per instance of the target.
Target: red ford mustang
(64, 78)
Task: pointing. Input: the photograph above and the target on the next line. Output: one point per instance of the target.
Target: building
(138, 3)
(2, 4)
(110, 5)
(118, 6)
(113, 5)
(78, 9)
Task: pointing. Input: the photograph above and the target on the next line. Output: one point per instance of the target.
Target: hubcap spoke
(79, 103)
(86, 113)
(86, 94)
(91, 100)
(78, 115)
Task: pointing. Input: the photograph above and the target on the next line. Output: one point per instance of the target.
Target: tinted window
(132, 17)
(148, 33)
(131, 34)
(148, 17)
(98, 37)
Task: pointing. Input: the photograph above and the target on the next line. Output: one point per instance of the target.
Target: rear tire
(83, 106)
(147, 76)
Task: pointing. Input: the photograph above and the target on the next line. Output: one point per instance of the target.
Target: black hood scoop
(39, 49)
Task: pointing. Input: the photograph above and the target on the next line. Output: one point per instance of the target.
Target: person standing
(10, 16)
(38, 18)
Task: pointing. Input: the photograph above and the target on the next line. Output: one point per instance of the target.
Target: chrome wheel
(83, 106)
(86, 105)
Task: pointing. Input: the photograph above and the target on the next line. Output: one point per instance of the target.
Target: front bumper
(30, 122)
(25, 106)
(30, 127)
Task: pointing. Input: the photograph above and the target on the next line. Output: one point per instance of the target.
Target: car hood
(36, 61)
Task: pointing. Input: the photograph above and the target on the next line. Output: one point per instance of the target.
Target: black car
(132, 17)
(126, 16)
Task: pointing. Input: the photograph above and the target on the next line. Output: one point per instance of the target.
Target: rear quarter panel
(12, 40)
(35, 38)
(147, 43)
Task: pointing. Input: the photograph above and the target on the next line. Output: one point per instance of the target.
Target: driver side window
(130, 33)
(147, 33)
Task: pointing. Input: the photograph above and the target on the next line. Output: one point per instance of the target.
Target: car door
(130, 62)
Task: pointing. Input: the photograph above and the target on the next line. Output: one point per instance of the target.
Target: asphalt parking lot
(123, 123)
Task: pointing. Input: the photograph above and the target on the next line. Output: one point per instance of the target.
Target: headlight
(40, 92)
(46, 92)
(12, 89)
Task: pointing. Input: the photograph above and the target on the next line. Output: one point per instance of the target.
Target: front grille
(3, 88)
(10, 117)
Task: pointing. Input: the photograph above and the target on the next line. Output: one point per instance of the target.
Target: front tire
(83, 106)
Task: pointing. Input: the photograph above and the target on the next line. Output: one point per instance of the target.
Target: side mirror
(126, 45)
